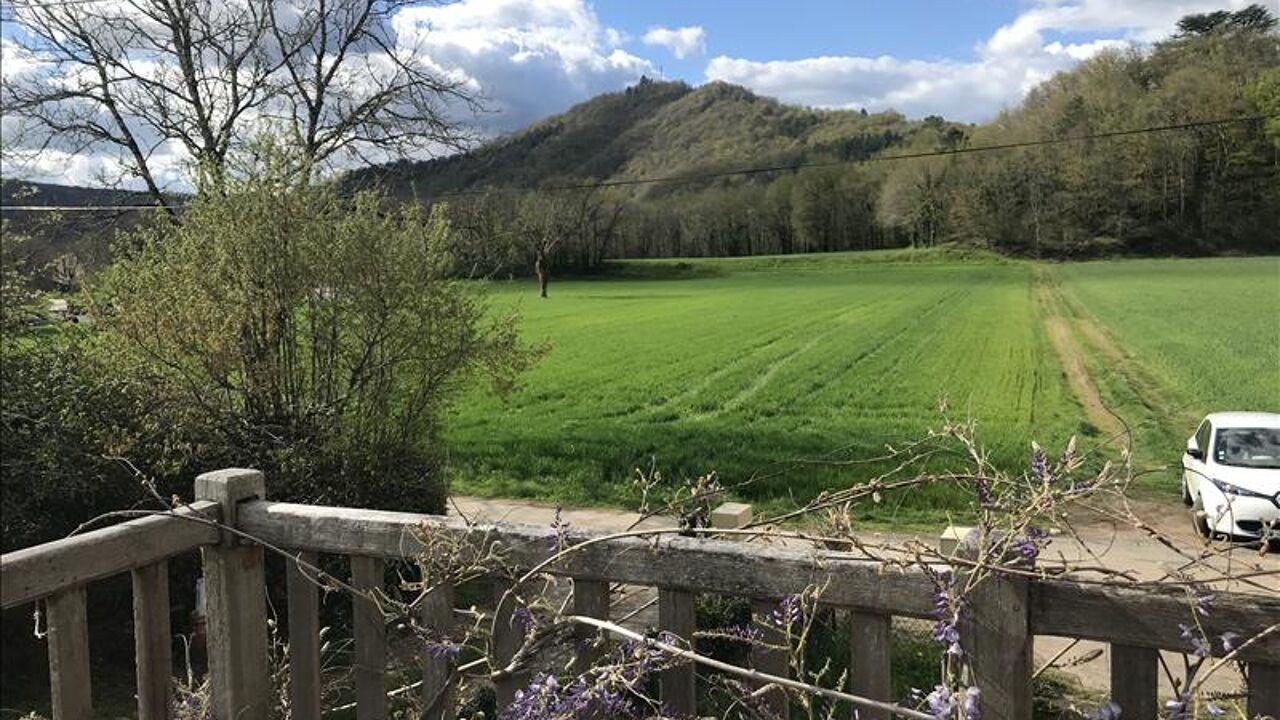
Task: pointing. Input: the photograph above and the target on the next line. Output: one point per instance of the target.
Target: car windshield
(1248, 447)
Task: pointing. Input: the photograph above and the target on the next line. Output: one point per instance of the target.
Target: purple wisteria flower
(1028, 546)
(946, 613)
(1203, 603)
(1199, 646)
(745, 633)
(1229, 639)
(1040, 471)
(522, 617)
(941, 703)
(971, 705)
(605, 691)
(983, 489)
(1179, 708)
(558, 538)
(443, 649)
(788, 611)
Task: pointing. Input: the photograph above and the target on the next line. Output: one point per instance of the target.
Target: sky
(961, 59)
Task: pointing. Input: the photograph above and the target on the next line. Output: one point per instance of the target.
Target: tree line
(1197, 190)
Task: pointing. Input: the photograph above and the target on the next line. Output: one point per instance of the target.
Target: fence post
(69, 655)
(995, 633)
(236, 603)
(590, 599)
(771, 660)
(1135, 680)
(304, 637)
(367, 574)
(678, 689)
(153, 641)
(507, 639)
(1264, 690)
(870, 659)
(436, 615)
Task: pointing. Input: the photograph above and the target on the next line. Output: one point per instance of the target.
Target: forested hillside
(1203, 189)
(55, 248)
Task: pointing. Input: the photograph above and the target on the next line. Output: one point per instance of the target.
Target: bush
(317, 338)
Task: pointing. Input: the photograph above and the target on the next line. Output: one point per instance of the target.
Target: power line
(78, 208)
(757, 170)
(42, 4)
(793, 167)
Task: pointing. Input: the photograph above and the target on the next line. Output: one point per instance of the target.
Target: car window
(1202, 436)
(1247, 447)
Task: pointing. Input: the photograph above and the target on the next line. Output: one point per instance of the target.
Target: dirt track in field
(1072, 358)
(1074, 334)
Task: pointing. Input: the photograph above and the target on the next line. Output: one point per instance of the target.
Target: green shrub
(317, 338)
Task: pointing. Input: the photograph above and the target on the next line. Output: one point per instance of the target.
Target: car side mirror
(1195, 452)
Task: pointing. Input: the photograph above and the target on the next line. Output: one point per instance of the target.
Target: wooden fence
(1003, 618)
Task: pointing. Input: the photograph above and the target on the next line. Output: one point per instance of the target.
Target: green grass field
(754, 368)
(1194, 336)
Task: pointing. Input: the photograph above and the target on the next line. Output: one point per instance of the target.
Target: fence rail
(1005, 615)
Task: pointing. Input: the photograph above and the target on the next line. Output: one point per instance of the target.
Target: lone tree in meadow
(551, 223)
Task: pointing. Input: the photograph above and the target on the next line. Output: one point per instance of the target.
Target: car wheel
(1199, 520)
(1186, 493)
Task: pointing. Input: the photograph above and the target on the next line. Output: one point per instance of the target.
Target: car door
(1194, 468)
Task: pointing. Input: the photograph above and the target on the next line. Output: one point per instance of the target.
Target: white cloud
(528, 58)
(1013, 60)
(682, 42)
(14, 60)
(525, 58)
(169, 164)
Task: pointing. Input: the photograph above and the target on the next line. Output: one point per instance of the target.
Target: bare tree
(202, 79)
(542, 223)
(579, 223)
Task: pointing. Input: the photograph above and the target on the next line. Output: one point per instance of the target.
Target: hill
(650, 129)
(1158, 150)
(56, 247)
(25, 192)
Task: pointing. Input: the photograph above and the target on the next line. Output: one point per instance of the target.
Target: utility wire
(80, 208)
(758, 170)
(40, 4)
(793, 167)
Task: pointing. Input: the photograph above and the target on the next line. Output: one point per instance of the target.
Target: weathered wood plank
(34, 572)
(995, 634)
(153, 641)
(870, 659)
(678, 563)
(678, 686)
(507, 638)
(304, 638)
(1134, 680)
(436, 613)
(72, 696)
(371, 640)
(770, 660)
(1149, 616)
(1138, 616)
(1264, 690)
(590, 599)
(235, 605)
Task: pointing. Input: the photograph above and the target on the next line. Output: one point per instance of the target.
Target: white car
(1231, 475)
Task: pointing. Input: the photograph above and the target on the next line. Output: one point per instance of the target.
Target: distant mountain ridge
(34, 239)
(650, 129)
(25, 192)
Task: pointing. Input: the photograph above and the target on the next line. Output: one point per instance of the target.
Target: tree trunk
(540, 267)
